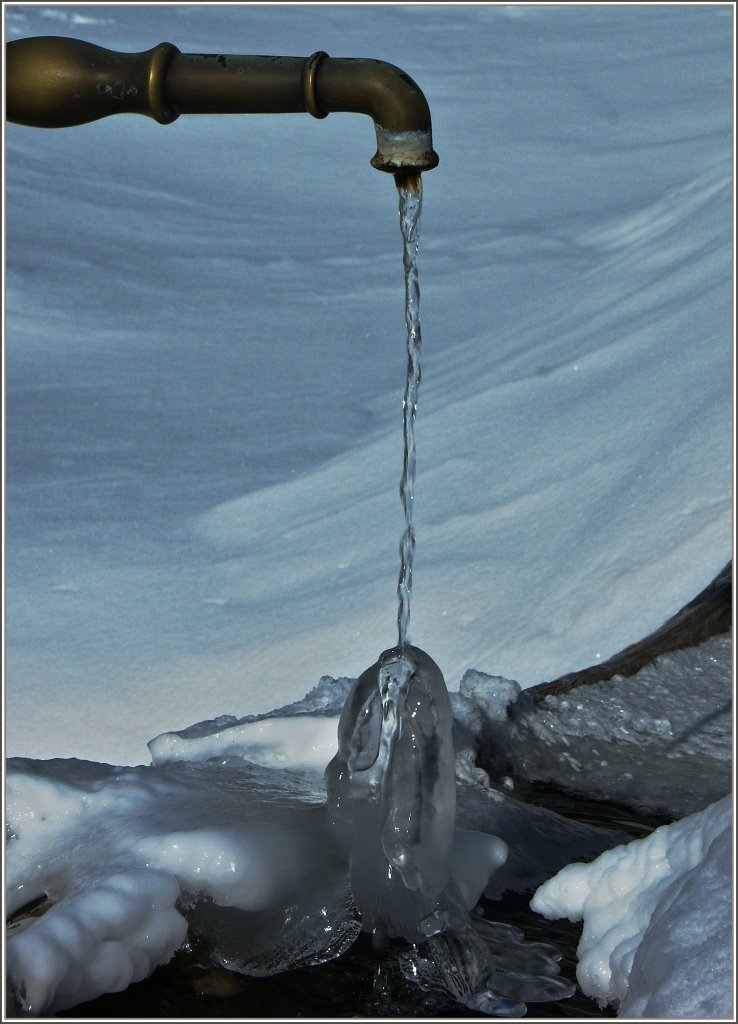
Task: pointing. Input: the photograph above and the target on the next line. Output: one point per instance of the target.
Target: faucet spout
(57, 82)
(392, 99)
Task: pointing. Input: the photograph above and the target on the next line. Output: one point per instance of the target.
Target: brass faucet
(56, 82)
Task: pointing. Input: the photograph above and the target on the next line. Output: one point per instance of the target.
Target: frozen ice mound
(129, 858)
(392, 800)
(392, 795)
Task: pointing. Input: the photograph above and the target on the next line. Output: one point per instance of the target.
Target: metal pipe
(57, 82)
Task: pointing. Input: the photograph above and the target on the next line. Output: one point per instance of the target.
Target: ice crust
(657, 935)
(660, 741)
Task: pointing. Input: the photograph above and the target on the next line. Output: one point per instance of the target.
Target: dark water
(357, 984)
(354, 985)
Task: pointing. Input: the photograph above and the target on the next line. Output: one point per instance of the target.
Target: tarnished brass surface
(56, 82)
(309, 72)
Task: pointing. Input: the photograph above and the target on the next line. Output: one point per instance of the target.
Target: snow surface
(304, 742)
(205, 363)
(657, 936)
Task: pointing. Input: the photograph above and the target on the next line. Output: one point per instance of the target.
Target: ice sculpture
(392, 802)
(392, 797)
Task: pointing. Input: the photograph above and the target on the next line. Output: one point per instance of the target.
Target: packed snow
(306, 742)
(204, 379)
(205, 361)
(658, 924)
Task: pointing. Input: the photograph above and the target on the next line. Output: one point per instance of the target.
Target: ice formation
(392, 800)
(124, 855)
(392, 796)
(660, 741)
(252, 860)
(657, 918)
(248, 856)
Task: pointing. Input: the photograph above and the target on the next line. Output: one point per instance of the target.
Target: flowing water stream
(411, 201)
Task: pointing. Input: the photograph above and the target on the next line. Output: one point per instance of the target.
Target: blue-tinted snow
(205, 366)
(649, 906)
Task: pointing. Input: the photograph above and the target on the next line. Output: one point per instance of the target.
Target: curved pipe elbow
(392, 99)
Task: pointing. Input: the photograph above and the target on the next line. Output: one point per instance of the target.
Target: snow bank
(204, 451)
(657, 935)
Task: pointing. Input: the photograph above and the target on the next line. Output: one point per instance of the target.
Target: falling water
(411, 201)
